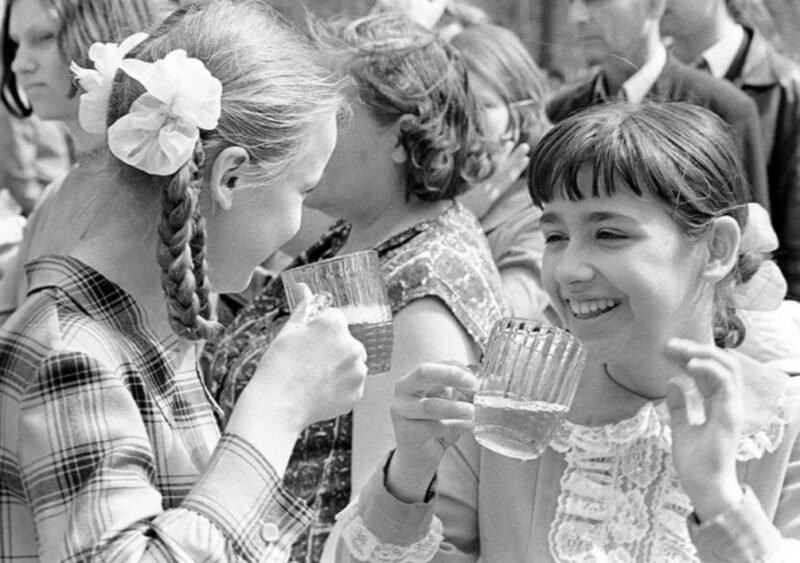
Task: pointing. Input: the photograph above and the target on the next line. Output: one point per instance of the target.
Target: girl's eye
(554, 237)
(44, 37)
(611, 235)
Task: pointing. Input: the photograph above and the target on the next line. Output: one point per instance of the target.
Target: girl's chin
(598, 350)
(231, 283)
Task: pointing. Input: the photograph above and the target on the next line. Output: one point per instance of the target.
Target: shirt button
(270, 532)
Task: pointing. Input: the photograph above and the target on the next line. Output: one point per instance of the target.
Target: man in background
(706, 33)
(623, 39)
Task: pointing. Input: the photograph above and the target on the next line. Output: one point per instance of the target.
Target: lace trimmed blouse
(598, 494)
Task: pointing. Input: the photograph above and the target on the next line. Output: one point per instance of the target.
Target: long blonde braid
(182, 253)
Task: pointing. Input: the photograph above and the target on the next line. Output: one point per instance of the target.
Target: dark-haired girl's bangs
(565, 150)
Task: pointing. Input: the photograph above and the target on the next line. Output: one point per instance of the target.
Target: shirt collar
(103, 300)
(759, 65)
(721, 54)
(637, 87)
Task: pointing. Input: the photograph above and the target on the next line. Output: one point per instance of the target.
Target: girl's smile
(588, 309)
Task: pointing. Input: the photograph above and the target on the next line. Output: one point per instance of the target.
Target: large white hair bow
(767, 288)
(159, 132)
(97, 82)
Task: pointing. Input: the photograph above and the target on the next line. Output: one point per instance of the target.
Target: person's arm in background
(34, 153)
(17, 169)
(516, 244)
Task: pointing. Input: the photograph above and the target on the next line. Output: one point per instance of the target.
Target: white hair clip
(159, 132)
(97, 82)
(767, 288)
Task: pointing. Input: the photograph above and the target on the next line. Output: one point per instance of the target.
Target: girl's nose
(573, 266)
(23, 62)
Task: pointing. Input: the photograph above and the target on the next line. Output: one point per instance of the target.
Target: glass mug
(356, 287)
(528, 378)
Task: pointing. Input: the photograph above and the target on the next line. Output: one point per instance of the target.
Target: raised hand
(480, 197)
(704, 452)
(432, 408)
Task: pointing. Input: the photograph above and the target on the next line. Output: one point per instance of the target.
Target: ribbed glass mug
(356, 287)
(528, 379)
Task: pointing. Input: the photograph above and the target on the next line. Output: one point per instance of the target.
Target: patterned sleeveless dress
(446, 257)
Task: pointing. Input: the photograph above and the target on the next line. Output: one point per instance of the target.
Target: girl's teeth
(591, 307)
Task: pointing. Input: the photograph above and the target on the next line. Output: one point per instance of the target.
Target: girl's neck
(368, 232)
(609, 393)
(120, 243)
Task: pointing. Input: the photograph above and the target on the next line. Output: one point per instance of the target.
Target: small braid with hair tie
(182, 253)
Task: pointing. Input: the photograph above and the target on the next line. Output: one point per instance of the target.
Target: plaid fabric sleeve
(242, 495)
(96, 471)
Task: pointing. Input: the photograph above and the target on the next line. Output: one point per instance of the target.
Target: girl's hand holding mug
(705, 454)
(432, 408)
(313, 370)
(314, 363)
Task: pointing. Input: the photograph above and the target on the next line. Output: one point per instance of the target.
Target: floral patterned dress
(446, 257)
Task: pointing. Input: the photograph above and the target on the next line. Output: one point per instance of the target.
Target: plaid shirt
(109, 446)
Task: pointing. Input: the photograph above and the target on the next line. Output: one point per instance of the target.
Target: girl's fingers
(434, 408)
(712, 377)
(684, 401)
(438, 429)
(521, 153)
(301, 294)
(309, 305)
(431, 375)
(511, 168)
(676, 402)
(684, 350)
(713, 369)
(715, 373)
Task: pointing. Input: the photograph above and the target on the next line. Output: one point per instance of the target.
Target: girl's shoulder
(450, 247)
(73, 313)
(447, 258)
(764, 386)
(771, 408)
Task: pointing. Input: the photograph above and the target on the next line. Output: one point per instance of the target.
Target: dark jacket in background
(678, 82)
(773, 82)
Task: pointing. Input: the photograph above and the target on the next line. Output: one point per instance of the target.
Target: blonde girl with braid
(217, 126)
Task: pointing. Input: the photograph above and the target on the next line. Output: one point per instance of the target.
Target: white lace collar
(767, 412)
(652, 421)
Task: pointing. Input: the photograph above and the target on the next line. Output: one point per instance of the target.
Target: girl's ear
(225, 173)
(656, 8)
(722, 241)
(399, 153)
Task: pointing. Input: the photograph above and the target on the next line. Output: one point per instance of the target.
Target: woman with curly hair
(408, 149)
